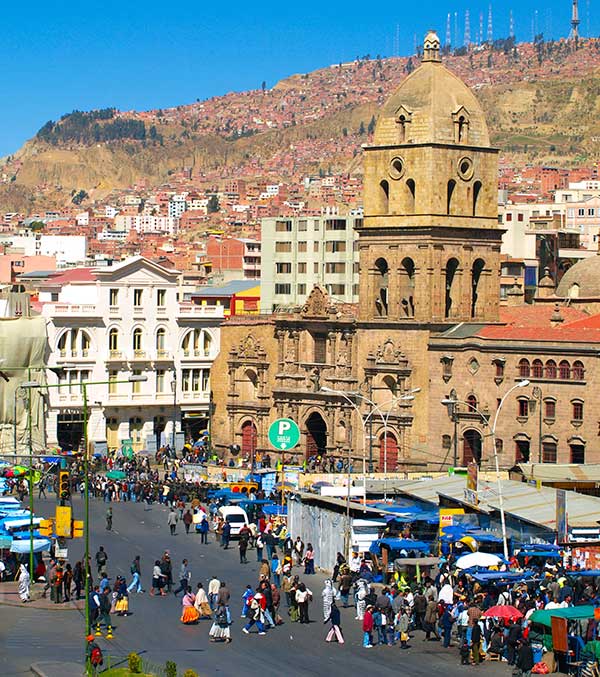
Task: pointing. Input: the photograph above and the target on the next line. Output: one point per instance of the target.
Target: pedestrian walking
(158, 580)
(109, 519)
(225, 534)
(213, 592)
(309, 560)
(303, 597)
(172, 521)
(24, 584)
(136, 583)
(185, 576)
(42, 487)
(243, 548)
(101, 560)
(187, 520)
(256, 616)
(203, 529)
(260, 544)
(201, 602)
(335, 620)
(367, 626)
(329, 596)
(189, 613)
(220, 630)
(78, 579)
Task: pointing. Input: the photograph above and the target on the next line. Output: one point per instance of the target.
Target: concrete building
(301, 251)
(109, 324)
(68, 250)
(144, 223)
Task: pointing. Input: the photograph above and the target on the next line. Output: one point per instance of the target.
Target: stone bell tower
(430, 242)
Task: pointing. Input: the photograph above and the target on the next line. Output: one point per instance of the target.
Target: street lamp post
(84, 386)
(174, 386)
(492, 428)
(27, 385)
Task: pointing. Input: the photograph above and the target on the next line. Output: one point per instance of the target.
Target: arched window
(537, 369)
(451, 268)
(137, 338)
(161, 338)
(476, 191)
(62, 344)
(550, 369)
(407, 287)
(85, 343)
(578, 371)
(472, 403)
(524, 371)
(206, 343)
(113, 339)
(384, 191)
(476, 270)
(191, 343)
(449, 193)
(381, 297)
(410, 185)
(564, 370)
(463, 125)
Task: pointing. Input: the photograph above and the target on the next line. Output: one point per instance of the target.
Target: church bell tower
(430, 242)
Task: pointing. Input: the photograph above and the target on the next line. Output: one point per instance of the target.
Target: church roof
(432, 98)
(586, 275)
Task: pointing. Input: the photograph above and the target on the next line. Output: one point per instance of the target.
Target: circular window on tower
(465, 168)
(397, 168)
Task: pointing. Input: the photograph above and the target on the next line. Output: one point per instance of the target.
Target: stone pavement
(57, 669)
(9, 596)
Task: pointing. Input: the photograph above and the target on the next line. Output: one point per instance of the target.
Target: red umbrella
(504, 611)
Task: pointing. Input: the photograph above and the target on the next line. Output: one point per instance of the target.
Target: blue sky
(58, 56)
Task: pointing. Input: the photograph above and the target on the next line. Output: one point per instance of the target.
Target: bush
(190, 673)
(135, 663)
(171, 669)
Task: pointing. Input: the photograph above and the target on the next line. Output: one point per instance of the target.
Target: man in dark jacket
(476, 643)
(420, 604)
(512, 640)
(525, 658)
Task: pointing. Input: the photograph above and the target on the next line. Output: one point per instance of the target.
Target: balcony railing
(139, 354)
(192, 310)
(115, 355)
(163, 355)
(72, 309)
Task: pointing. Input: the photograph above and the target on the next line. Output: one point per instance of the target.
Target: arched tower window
(384, 191)
(476, 271)
(451, 268)
(472, 402)
(407, 287)
(476, 191)
(411, 190)
(449, 194)
(381, 298)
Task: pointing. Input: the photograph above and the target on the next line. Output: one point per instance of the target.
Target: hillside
(542, 101)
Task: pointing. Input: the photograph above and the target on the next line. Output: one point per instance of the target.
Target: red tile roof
(74, 275)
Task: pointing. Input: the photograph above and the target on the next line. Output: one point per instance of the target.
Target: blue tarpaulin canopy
(400, 544)
(22, 546)
(588, 572)
(501, 576)
(275, 509)
(540, 553)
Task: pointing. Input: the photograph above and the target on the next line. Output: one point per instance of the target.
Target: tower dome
(432, 105)
(582, 280)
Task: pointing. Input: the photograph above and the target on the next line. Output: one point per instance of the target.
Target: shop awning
(573, 613)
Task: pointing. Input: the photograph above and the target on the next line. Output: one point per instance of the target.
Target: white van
(236, 517)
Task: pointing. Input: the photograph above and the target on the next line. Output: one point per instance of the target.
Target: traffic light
(46, 527)
(64, 485)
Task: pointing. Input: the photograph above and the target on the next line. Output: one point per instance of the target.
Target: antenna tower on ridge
(490, 29)
(511, 27)
(448, 33)
(574, 34)
(467, 29)
(480, 34)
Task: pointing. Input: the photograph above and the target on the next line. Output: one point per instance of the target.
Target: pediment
(138, 270)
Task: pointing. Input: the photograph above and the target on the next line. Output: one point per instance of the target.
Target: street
(153, 629)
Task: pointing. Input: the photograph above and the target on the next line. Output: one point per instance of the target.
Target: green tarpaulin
(572, 613)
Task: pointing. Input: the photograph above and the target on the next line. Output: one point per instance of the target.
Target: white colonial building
(111, 324)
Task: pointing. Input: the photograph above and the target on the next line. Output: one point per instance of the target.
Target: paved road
(154, 630)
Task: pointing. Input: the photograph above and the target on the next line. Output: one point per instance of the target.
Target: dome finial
(431, 47)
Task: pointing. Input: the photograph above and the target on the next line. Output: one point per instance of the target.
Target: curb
(39, 669)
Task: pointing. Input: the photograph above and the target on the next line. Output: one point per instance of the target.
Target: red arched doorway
(249, 436)
(388, 446)
(471, 447)
(316, 435)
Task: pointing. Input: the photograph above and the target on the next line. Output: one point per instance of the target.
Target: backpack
(96, 656)
(221, 618)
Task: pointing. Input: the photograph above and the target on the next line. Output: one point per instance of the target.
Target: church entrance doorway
(316, 435)
(471, 447)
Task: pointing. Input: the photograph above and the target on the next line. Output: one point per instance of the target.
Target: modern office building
(299, 252)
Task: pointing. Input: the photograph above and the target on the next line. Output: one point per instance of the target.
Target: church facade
(371, 379)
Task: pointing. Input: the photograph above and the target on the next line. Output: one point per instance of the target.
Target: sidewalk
(57, 669)
(9, 596)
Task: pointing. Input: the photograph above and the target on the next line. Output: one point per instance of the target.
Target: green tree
(371, 127)
(213, 204)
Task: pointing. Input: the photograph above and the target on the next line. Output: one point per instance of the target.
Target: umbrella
(286, 486)
(116, 475)
(478, 559)
(503, 611)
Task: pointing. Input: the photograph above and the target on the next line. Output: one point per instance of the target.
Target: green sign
(284, 434)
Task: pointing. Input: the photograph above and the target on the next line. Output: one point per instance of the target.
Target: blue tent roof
(501, 576)
(400, 544)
